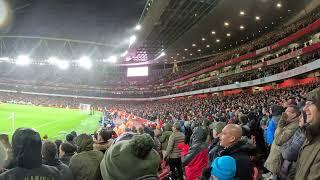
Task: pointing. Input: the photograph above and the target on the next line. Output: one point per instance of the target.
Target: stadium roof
(103, 30)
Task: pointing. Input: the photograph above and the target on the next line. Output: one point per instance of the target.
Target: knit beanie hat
(219, 126)
(177, 126)
(224, 168)
(314, 96)
(141, 145)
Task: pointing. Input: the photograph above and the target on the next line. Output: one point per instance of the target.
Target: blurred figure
(164, 138)
(224, 168)
(85, 164)
(308, 163)
(8, 163)
(196, 159)
(3, 157)
(66, 150)
(104, 140)
(50, 158)
(26, 146)
(70, 139)
(173, 153)
(131, 159)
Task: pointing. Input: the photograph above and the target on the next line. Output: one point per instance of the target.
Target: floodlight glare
(132, 40)
(138, 27)
(63, 65)
(85, 62)
(112, 59)
(23, 60)
(124, 54)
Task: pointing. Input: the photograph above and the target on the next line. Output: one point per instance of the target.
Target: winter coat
(26, 145)
(308, 163)
(66, 158)
(164, 138)
(172, 148)
(119, 163)
(64, 169)
(283, 133)
(214, 148)
(85, 165)
(271, 128)
(241, 152)
(196, 158)
(103, 146)
(289, 152)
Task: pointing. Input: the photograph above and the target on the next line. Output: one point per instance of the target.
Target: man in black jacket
(239, 149)
(26, 145)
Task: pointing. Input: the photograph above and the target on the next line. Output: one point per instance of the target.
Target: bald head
(230, 135)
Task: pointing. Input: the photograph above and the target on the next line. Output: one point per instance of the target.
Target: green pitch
(55, 122)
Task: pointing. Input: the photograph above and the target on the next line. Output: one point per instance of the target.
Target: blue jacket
(271, 128)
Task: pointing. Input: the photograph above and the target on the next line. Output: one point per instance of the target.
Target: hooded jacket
(241, 152)
(64, 169)
(164, 138)
(130, 159)
(85, 164)
(282, 134)
(308, 164)
(26, 145)
(196, 158)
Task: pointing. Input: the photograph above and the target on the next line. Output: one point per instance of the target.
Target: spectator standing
(164, 138)
(276, 112)
(196, 158)
(104, 140)
(287, 126)
(173, 153)
(85, 164)
(26, 147)
(308, 164)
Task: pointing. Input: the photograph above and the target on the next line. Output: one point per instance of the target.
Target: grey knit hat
(314, 96)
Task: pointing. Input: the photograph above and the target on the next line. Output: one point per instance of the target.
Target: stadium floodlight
(132, 39)
(138, 27)
(62, 64)
(53, 60)
(112, 59)
(124, 54)
(160, 55)
(23, 60)
(5, 59)
(85, 62)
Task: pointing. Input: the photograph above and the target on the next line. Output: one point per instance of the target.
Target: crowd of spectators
(244, 136)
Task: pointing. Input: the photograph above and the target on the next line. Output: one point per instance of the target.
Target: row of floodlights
(84, 62)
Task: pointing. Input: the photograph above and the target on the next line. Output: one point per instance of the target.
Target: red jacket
(195, 167)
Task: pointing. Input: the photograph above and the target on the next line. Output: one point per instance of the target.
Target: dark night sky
(105, 21)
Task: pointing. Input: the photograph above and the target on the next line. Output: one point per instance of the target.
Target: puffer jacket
(26, 145)
(172, 149)
(271, 128)
(283, 133)
(308, 163)
(196, 158)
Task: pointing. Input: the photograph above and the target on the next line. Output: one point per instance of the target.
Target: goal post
(85, 107)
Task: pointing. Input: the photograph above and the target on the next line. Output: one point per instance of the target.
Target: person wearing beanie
(173, 153)
(70, 138)
(224, 168)
(66, 151)
(50, 158)
(85, 164)
(130, 159)
(308, 164)
(26, 147)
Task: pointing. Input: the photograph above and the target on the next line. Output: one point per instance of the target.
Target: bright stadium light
(63, 65)
(53, 60)
(5, 59)
(161, 55)
(138, 27)
(124, 54)
(132, 40)
(112, 59)
(85, 62)
(23, 60)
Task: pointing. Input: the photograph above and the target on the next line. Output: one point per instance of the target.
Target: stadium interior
(160, 89)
